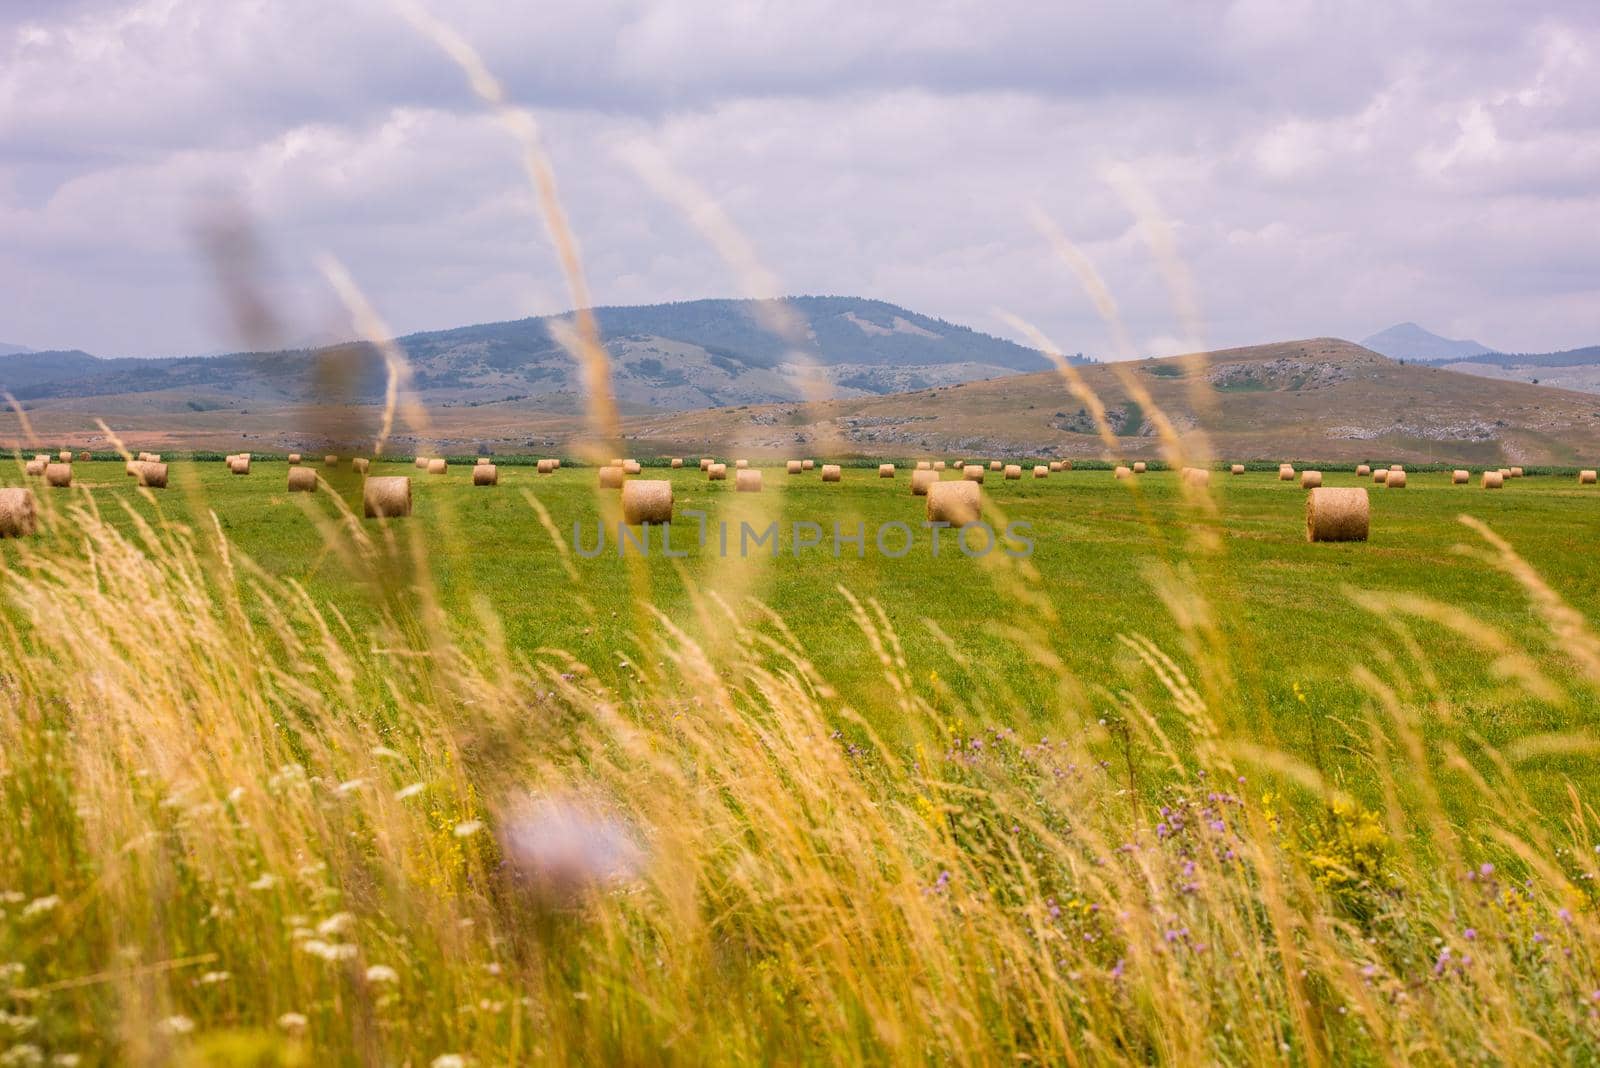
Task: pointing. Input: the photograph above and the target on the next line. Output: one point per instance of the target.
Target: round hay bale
(924, 465)
(35, 468)
(617, 461)
(545, 467)
(1459, 477)
(65, 456)
(706, 462)
(1055, 465)
(1013, 471)
(437, 466)
(360, 464)
(956, 503)
(1285, 472)
(85, 457)
(294, 458)
(647, 500)
(1199, 477)
(1396, 480)
(1381, 475)
(794, 467)
(1337, 514)
(1236, 469)
(996, 465)
(58, 475)
(19, 514)
(741, 465)
(1138, 467)
(1516, 472)
(1363, 470)
(1396, 467)
(302, 480)
(717, 473)
(807, 465)
(1310, 479)
(1040, 471)
(747, 480)
(485, 475)
(886, 470)
(131, 468)
(631, 467)
(921, 480)
(677, 462)
(960, 465)
(330, 460)
(386, 497)
(972, 473)
(1505, 472)
(1121, 472)
(480, 461)
(610, 477)
(1492, 480)
(420, 463)
(938, 465)
(1586, 477)
(1066, 465)
(153, 474)
(831, 473)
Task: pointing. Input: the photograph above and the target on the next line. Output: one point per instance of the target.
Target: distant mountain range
(694, 354)
(12, 350)
(1408, 341)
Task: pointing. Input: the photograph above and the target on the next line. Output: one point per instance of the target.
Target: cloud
(1324, 168)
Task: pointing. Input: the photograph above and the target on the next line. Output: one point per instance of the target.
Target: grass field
(1392, 713)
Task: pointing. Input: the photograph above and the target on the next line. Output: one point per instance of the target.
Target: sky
(1231, 173)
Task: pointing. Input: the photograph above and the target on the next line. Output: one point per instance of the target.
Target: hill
(1576, 369)
(1408, 341)
(1323, 399)
(12, 350)
(694, 354)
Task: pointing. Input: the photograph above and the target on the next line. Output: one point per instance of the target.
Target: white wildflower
(265, 882)
(213, 978)
(293, 1022)
(410, 791)
(350, 787)
(67, 1060)
(448, 1060)
(177, 1025)
(382, 973)
(22, 1056)
(338, 923)
(40, 905)
(468, 828)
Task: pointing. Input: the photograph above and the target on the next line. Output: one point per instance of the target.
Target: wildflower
(213, 978)
(382, 973)
(293, 1023)
(338, 923)
(1470, 934)
(177, 1025)
(448, 1060)
(350, 787)
(561, 846)
(409, 791)
(266, 881)
(468, 828)
(66, 1060)
(22, 1056)
(40, 905)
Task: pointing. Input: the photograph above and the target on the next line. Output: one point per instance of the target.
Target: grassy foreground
(280, 785)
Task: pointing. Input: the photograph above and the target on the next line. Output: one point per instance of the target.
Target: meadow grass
(281, 785)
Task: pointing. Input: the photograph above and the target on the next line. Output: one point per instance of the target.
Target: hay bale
(1505, 472)
(1040, 471)
(794, 467)
(1236, 469)
(1013, 471)
(1363, 470)
(294, 457)
(153, 474)
(996, 465)
(1310, 479)
(58, 475)
(19, 514)
(1396, 480)
(1199, 477)
(1586, 477)
(480, 461)
(84, 457)
(706, 462)
(1396, 467)
(131, 468)
(386, 497)
(420, 463)
(1286, 472)
(617, 461)
(921, 480)
(35, 468)
(1516, 472)
(1459, 477)
(302, 480)
(360, 464)
(806, 465)
(956, 503)
(1066, 465)
(924, 465)
(557, 462)
(741, 465)
(631, 467)
(647, 500)
(717, 473)
(938, 465)
(1121, 472)
(1493, 480)
(485, 475)
(1138, 467)
(886, 470)
(330, 460)
(831, 473)
(64, 456)
(1381, 475)
(972, 473)
(240, 465)
(546, 467)
(437, 466)
(747, 481)
(242, 456)
(677, 462)
(610, 477)
(1055, 465)
(1337, 514)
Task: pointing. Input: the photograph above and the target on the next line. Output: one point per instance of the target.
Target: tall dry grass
(236, 829)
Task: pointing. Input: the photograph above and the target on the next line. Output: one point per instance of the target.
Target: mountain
(12, 350)
(1321, 399)
(1577, 369)
(694, 354)
(1408, 341)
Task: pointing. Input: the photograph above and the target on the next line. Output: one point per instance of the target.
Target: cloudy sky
(1313, 168)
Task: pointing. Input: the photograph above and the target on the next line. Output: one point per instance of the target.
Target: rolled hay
(631, 467)
(1066, 465)
(747, 481)
(706, 462)
(1337, 514)
(956, 503)
(717, 473)
(19, 515)
(1493, 480)
(386, 497)
(1199, 477)
(240, 465)
(437, 466)
(65, 456)
(924, 465)
(485, 475)
(35, 468)
(1586, 478)
(677, 462)
(886, 470)
(302, 480)
(1397, 467)
(242, 456)
(830, 472)
(1363, 470)
(647, 500)
(1121, 472)
(294, 457)
(1236, 469)
(938, 465)
(972, 473)
(480, 461)
(611, 477)
(921, 480)
(420, 463)
(1396, 480)
(84, 457)
(1459, 477)
(741, 465)
(1040, 471)
(557, 462)
(58, 475)
(996, 465)
(1516, 472)
(794, 467)
(617, 461)
(153, 474)
(1505, 472)
(360, 464)
(131, 468)
(1055, 465)
(1013, 471)
(1286, 472)
(1310, 479)
(1138, 467)
(1381, 475)
(42, 457)
(153, 458)
(546, 467)
(807, 465)
(330, 460)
